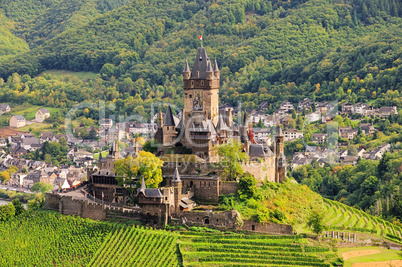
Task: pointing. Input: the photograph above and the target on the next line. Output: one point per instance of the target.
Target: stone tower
(201, 88)
(177, 187)
(280, 159)
(168, 128)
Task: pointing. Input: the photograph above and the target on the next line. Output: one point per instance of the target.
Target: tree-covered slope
(39, 20)
(266, 50)
(10, 45)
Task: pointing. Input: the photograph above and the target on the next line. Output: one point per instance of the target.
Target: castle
(188, 151)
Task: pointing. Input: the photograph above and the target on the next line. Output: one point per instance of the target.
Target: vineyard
(132, 246)
(219, 249)
(342, 217)
(49, 239)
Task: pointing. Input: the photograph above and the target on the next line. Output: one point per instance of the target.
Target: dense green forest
(267, 50)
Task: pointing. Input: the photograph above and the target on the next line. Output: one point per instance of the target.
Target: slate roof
(256, 150)
(169, 121)
(19, 117)
(200, 64)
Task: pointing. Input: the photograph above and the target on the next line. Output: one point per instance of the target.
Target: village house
(17, 121)
(42, 114)
(292, 134)
(319, 138)
(379, 151)
(348, 160)
(3, 142)
(105, 124)
(346, 108)
(347, 133)
(263, 106)
(4, 108)
(305, 104)
(385, 112)
(361, 108)
(313, 116)
(137, 128)
(367, 128)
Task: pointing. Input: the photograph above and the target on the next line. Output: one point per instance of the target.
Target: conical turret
(216, 70)
(186, 71)
(209, 73)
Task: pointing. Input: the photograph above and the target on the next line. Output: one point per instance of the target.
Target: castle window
(202, 83)
(191, 96)
(168, 127)
(253, 227)
(192, 83)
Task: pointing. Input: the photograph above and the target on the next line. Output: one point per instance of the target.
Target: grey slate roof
(200, 64)
(186, 67)
(216, 66)
(256, 150)
(176, 177)
(19, 117)
(168, 121)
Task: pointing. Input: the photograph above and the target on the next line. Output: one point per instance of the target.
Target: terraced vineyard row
(342, 217)
(49, 239)
(132, 246)
(207, 249)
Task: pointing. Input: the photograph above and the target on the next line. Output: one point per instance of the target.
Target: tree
(316, 222)
(42, 187)
(352, 151)
(92, 134)
(247, 186)
(48, 158)
(19, 208)
(37, 203)
(7, 212)
(5, 176)
(231, 155)
(260, 124)
(294, 115)
(145, 164)
(150, 146)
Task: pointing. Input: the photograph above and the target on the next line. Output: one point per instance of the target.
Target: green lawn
(82, 75)
(28, 110)
(104, 154)
(385, 255)
(35, 127)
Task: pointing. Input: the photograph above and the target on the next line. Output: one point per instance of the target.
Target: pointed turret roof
(209, 67)
(176, 177)
(221, 124)
(216, 66)
(169, 121)
(143, 187)
(200, 64)
(186, 67)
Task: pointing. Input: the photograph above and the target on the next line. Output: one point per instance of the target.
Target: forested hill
(267, 50)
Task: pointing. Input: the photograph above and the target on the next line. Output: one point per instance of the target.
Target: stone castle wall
(270, 228)
(228, 187)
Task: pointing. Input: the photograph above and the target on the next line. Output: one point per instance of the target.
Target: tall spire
(209, 67)
(186, 67)
(169, 121)
(216, 66)
(143, 187)
(176, 177)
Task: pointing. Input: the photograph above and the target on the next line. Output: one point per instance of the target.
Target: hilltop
(266, 50)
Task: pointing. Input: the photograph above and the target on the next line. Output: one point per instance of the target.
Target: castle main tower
(201, 88)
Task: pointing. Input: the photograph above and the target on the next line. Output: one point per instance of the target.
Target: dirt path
(394, 263)
(352, 254)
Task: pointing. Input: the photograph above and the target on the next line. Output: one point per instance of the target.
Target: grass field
(28, 110)
(36, 127)
(104, 154)
(384, 255)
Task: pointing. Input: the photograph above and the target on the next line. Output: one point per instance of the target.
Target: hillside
(266, 50)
